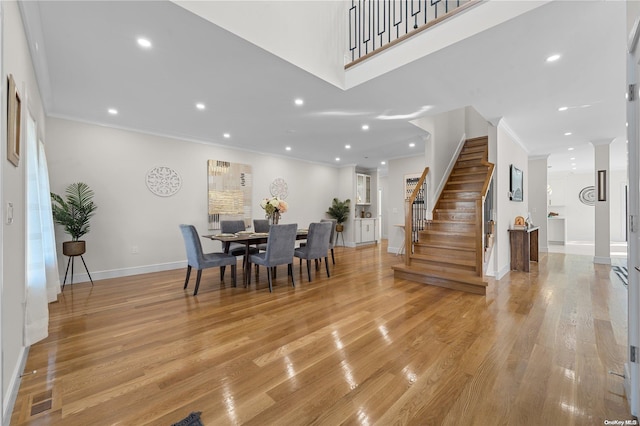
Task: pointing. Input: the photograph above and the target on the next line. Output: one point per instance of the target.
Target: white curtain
(48, 231)
(43, 281)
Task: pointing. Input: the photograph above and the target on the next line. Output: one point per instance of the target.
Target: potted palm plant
(339, 211)
(73, 212)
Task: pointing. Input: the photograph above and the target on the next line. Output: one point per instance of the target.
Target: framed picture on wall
(515, 184)
(410, 183)
(13, 122)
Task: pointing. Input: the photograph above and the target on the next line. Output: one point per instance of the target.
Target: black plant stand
(71, 262)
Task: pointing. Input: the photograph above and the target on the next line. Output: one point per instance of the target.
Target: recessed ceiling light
(143, 42)
(573, 164)
(365, 127)
(112, 111)
(383, 162)
(347, 147)
(568, 133)
(200, 105)
(288, 148)
(571, 149)
(553, 58)
(573, 168)
(564, 108)
(226, 135)
(572, 158)
(299, 102)
(337, 158)
(411, 145)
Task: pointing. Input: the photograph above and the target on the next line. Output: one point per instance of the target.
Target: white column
(602, 177)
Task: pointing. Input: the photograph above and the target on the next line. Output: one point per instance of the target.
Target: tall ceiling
(87, 61)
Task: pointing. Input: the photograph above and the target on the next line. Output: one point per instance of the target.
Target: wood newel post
(479, 236)
(408, 231)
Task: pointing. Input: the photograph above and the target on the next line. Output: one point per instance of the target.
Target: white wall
(508, 151)
(114, 163)
(538, 198)
(296, 31)
(346, 191)
(393, 207)
(383, 185)
(15, 61)
(446, 131)
(580, 218)
(475, 124)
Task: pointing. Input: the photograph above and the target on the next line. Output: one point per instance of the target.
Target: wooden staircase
(449, 251)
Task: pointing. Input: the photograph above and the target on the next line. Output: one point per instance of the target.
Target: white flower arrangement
(274, 205)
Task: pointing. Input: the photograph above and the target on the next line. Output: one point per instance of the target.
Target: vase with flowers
(273, 208)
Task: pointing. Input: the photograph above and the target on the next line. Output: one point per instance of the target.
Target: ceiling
(87, 61)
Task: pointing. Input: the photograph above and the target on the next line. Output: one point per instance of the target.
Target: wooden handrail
(487, 181)
(408, 217)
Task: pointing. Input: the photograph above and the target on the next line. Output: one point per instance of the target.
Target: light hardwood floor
(358, 348)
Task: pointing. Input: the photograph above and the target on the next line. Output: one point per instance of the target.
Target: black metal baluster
(415, 13)
(352, 38)
(435, 3)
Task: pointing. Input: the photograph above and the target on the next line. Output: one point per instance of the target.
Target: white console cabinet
(365, 230)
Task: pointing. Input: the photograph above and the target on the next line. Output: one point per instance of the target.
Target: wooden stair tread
(460, 190)
(445, 260)
(452, 233)
(466, 283)
(472, 162)
(446, 254)
(460, 182)
(465, 172)
(449, 211)
(469, 202)
(477, 141)
(451, 222)
(448, 246)
(474, 148)
(470, 279)
(468, 167)
(467, 156)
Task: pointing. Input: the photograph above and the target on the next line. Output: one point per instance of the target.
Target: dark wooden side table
(524, 248)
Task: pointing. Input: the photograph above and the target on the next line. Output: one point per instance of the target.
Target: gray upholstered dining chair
(332, 240)
(261, 226)
(317, 245)
(280, 247)
(236, 249)
(199, 260)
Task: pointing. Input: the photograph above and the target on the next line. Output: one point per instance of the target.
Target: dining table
(248, 238)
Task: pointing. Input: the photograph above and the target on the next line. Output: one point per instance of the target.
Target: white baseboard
(627, 387)
(117, 273)
(601, 260)
(502, 272)
(14, 386)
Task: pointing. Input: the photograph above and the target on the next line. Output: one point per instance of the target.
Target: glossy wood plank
(361, 347)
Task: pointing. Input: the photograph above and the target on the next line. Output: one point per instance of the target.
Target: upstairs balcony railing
(375, 25)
